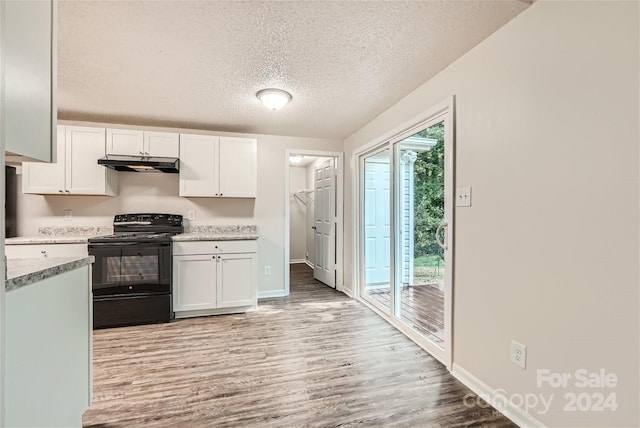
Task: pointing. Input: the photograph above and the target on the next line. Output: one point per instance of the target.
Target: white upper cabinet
(124, 142)
(161, 144)
(83, 174)
(199, 165)
(131, 142)
(238, 167)
(218, 166)
(46, 178)
(77, 171)
(28, 34)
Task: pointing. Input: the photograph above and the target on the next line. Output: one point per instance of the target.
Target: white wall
(140, 192)
(298, 211)
(547, 134)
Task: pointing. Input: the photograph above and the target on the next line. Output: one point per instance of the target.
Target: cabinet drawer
(214, 247)
(32, 251)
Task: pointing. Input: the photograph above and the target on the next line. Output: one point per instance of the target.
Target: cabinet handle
(60, 191)
(220, 194)
(44, 253)
(146, 153)
(68, 191)
(141, 153)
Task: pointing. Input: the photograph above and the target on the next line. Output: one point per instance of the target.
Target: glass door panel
(377, 227)
(419, 218)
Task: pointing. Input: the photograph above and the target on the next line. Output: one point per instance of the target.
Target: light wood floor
(315, 358)
(422, 309)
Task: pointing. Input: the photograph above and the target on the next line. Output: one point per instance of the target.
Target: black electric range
(132, 274)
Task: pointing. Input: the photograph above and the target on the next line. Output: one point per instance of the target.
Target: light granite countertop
(218, 233)
(21, 272)
(61, 235)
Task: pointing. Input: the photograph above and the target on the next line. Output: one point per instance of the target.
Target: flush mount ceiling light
(294, 159)
(274, 99)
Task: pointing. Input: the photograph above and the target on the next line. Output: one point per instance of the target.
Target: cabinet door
(236, 280)
(29, 72)
(124, 142)
(161, 144)
(46, 178)
(83, 174)
(194, 286)
(238, 167)
(198, 165)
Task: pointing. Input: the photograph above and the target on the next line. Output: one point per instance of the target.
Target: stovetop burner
(142, 228)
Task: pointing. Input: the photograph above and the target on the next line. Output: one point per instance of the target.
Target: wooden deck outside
(422, 309)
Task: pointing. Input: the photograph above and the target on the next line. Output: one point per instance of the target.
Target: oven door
(129, 268)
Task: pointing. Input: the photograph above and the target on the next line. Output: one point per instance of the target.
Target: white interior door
(325, 222)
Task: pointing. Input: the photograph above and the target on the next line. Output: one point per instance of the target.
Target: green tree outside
(429, 207)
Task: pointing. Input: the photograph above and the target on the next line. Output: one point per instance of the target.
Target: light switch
(191, 214)
(68, 215)
(463, 197)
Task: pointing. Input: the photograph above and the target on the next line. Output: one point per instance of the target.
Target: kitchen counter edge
(197, 236)
(22, 272)
(53, 239)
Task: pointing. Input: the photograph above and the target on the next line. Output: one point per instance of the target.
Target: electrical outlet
(267, 270)
(518, 354)
(191, 214)
(463, 197)
(68, 215)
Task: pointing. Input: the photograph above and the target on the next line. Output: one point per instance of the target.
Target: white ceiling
(198, 64)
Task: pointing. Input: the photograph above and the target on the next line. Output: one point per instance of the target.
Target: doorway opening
(313, 215)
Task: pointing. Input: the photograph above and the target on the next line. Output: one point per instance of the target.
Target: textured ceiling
(198, 64)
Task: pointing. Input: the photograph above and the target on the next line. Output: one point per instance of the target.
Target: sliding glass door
(405, 208)
(420, 256)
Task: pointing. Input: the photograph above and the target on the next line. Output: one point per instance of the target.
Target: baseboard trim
(495, 398)
(311, 265)
(297, 261)
(270, 293)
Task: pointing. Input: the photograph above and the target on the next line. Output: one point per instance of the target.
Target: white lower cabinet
(194, 285)
(209, 281)
(235, 278)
